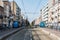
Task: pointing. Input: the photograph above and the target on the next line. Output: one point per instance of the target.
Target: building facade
(11, 11)
(54, 13)
(37, 21)
(7, 10)
(16, 11)
(51, 14)
(1, 15)
(44, 13)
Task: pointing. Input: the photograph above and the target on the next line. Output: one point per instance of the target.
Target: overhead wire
(23, 6)
(38, 5)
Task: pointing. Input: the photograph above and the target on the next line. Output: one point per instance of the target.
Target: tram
(42, 24)
(15, 24)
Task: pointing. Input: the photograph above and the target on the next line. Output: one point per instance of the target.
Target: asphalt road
(29, 34)
(24, 34)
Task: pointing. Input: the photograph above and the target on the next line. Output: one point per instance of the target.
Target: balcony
(4, 0)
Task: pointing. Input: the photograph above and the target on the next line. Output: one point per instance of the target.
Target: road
(29, 34)
(39, 35)
(24, 34)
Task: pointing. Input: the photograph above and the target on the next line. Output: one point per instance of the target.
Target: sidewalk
(9, 32)
(6, 31)
(52, 33)
(56, 32)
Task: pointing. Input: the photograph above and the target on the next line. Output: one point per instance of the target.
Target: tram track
(39, 35)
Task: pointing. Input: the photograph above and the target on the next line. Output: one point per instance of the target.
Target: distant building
(37, 21)
(33, 23)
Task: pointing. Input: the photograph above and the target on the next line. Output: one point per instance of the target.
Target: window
(52, 18)
(52, 13)
(47, 7)
(47, 17)
(58, 9)
(59, 22)
(58, 15)
(55, 16)
(47, 10)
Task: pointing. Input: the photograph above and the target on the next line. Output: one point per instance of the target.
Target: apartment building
(1, 15)
(54, 13)
(16, 11)
(7, 10)
(44, 13)
(6, 5)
